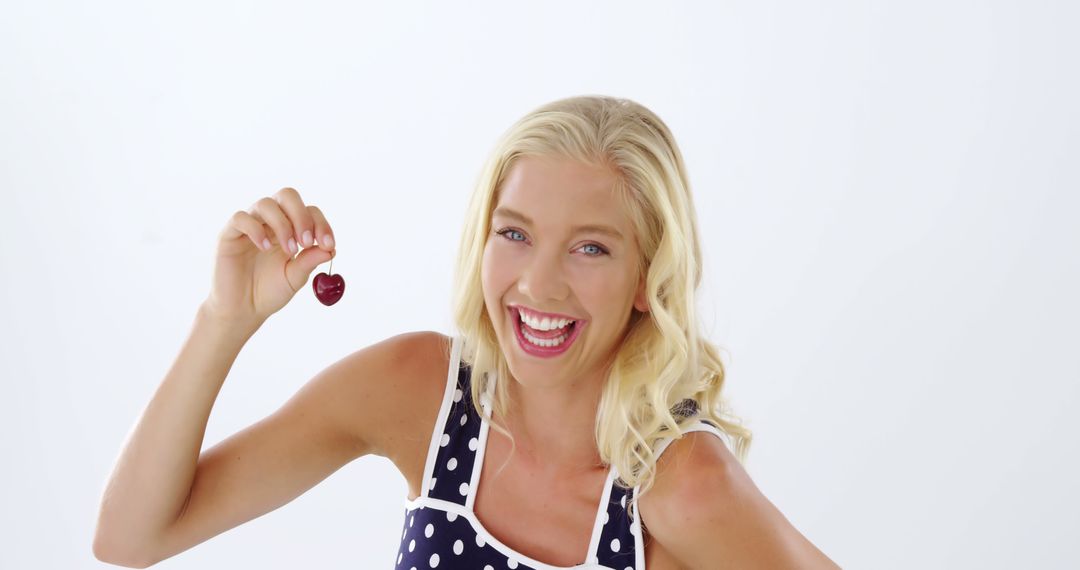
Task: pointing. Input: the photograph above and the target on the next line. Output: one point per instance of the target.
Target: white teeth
(544, 324)
(545, 342)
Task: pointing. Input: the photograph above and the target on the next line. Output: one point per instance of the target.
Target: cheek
(493, 280)
(606, 294)
(487, 266)
(595, 281)
(496, 269)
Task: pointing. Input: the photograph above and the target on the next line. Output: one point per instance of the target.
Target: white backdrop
(888, 202)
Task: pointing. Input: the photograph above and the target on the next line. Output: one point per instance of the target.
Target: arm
(152, 477)
(707, 513)
(165, 497)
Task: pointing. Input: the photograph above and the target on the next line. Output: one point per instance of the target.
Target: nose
(542, 279)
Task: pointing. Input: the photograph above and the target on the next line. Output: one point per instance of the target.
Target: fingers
(292, 224)
(270, 213)
(303, 226)
(246, 224)
(323, 232)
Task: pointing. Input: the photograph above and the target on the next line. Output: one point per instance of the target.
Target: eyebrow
(600, 229)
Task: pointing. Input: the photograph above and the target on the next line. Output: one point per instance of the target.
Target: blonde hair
(664, 375)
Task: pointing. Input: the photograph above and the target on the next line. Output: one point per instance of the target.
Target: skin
(704, 511)
(545, 265)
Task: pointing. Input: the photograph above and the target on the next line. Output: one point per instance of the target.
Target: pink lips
(542, 351)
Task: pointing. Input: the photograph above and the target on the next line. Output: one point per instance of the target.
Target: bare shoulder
(705, 512)
(396, 401)
(378, 400)
(695, 464)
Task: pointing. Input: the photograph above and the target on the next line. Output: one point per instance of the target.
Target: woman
(578, 345)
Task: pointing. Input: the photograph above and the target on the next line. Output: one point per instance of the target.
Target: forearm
(153, 476)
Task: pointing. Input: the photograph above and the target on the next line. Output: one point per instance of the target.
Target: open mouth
(544, 342)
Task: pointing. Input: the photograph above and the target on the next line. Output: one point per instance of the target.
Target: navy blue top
(442, 531)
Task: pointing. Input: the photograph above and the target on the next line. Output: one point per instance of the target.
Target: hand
(253, 278)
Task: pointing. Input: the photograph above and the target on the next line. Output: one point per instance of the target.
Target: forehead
(557, 190)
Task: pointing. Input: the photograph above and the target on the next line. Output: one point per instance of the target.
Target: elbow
(108, 552)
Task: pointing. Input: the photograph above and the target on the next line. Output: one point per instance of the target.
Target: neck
(554, 426)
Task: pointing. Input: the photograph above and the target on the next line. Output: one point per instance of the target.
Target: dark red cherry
(328, 288)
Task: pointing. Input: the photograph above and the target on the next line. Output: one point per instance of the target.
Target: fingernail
(292, 245)
(329, 241)
(307, 239)
(266, 244)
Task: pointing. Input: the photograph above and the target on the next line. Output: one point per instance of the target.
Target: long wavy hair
(665, 374)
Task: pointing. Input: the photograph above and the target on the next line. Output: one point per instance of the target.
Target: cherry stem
(331, 270)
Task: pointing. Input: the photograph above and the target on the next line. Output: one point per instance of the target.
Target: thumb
(299, 268)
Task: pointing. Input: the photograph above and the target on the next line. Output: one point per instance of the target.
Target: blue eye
(600, 250)
(508, 230)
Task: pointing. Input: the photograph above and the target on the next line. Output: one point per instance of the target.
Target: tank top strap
(616, 539)
(452, 450)
(702, 424)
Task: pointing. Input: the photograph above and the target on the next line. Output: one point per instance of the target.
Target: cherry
(328, 288)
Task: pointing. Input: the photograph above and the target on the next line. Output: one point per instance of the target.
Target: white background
(888, 203)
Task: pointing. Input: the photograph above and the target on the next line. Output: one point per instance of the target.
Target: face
(548, 252)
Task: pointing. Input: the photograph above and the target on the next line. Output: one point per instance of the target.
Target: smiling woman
(579, 344)
(576, 341)
(584, 210)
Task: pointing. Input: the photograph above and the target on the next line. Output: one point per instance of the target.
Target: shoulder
(703, 508)
(692, 473)
(417, 362)
(397, 387)
(414, 358)
(407, 362)
(420, 350)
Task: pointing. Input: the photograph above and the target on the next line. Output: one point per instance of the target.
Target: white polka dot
(459, 547)
(629, 568)
(432, 484)
(615, 545)
(606, 517)
(434, 561)
(429, 530)
(445, 440)
(464, 489)
(622, 501)
(488, 567)
(464, 418)
(452, 464)
(457, 395)
(451, 516)
(511, 563)
(473, 443)
(400, 554)
(411, 520)
(412, 545)
(480, 541)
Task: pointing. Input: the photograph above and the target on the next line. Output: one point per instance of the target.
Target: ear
(640, 302)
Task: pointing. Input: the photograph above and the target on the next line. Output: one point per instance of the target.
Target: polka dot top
(442, 531)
